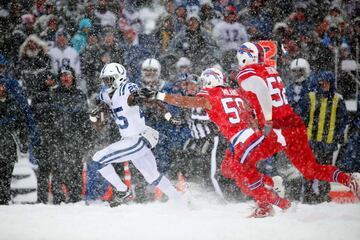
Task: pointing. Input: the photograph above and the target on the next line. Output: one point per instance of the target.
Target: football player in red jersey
(265, 92)
(228, 110)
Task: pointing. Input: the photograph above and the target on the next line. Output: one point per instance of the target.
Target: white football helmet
(250, 53)
(212, 77)
(113, 75)
(300, 69)
(150, 70)
(183, 65)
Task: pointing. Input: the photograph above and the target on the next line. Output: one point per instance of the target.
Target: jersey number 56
(278, 94)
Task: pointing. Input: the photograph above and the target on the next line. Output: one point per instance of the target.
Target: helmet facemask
(250, 53)
(150, 71)
(113, 75)
(300, 69)
(211, 78)
(298, 74)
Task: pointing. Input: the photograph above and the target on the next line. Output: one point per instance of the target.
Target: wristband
(93, 119)
(160, 96)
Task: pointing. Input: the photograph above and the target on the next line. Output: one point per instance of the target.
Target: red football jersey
(229, 111)
(280, 106)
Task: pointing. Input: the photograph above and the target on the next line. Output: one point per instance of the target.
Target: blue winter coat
(17, 98)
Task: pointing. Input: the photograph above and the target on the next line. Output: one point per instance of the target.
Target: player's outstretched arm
(159, 107)
(176, 100)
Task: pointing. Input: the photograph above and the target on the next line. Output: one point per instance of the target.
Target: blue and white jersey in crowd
(129, 119)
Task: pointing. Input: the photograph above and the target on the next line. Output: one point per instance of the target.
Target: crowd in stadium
(52, 52)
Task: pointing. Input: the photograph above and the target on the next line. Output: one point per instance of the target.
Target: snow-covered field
(206, 220)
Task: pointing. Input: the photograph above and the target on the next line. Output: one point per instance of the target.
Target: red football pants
(240, 165)
(300, 154)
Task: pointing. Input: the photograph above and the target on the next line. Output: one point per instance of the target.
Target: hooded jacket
(79, 40)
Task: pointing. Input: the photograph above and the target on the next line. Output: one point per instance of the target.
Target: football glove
(94, 114)
(151, 136)
(147, 93)
(151, 94)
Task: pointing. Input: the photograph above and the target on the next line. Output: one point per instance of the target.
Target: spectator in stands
(346, 81)
(326, 122)
(91, 63)
(299, 21)
(195, 44)
(164, 33)
(318, 55)
(258, 20)
(80, 39)
(69, 15)
(317, 11)
(14, 17)
(49, 33)
(134, 54)
(209, 16)
(71, 137)
(33, 60)
(44, 115)
(107, 17)
(355, 39)
(63, 55)
(180, 17)
(280, 9)
(288, 48)
(15, 119)
(350, 161)
(18, 36)
(228, 33)
(43, 19)
(335, 16)
(110, 46)
(333, 38)
(89, 12)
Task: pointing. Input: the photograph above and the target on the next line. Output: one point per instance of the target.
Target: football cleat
(354, 184)
(120, 198)
(262, 211)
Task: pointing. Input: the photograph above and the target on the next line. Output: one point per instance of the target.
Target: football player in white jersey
(136, 141)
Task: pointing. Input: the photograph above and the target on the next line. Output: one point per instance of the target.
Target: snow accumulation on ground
(206, 219)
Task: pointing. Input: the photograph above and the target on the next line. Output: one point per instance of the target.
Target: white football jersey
(229, 36)
(62, 57)
(129, 119)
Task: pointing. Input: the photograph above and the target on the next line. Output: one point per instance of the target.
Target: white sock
(111, 176)
(167, 188)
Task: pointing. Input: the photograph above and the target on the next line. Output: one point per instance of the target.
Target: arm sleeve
(256, 85)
